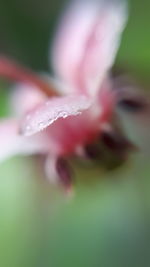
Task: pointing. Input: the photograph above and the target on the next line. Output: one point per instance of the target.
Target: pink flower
(62, 122)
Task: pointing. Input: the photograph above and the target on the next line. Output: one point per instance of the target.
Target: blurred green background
(107, 223)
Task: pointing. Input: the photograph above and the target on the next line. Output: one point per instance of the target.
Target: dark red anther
(116, 142)
(92, 151)
(132, 105)
(64, 172)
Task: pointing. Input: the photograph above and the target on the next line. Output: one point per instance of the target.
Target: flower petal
(24, 98)
(87, 42)
(11, 143)
(50, 111)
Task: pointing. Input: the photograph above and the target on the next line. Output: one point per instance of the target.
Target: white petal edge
(51, 110)
(12, 144)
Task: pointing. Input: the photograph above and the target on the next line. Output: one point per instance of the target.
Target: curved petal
(11, 143)
(87, 42)
(50, 111)
(24, 98)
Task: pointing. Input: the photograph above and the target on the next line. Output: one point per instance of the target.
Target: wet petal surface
(51, 110)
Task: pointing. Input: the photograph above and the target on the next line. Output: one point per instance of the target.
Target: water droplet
(63, 114)
(41, 125)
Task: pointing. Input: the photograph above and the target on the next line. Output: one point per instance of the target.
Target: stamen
(132, 105)
(64, 172)
(115, 141)
(92, 151)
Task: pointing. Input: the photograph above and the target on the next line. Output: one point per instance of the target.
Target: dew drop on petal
(41, 125)
(52, 110)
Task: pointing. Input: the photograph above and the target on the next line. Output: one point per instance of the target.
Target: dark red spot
(64, 172)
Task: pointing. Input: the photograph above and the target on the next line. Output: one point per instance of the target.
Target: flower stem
(13, 71)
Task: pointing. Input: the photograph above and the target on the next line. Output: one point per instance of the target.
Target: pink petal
(66, 135)
(50, 111)
(24, 98)
(87, 42)
(11, 143)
